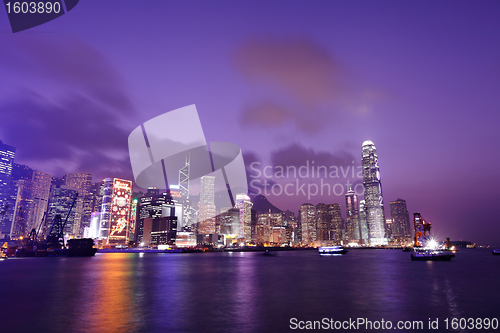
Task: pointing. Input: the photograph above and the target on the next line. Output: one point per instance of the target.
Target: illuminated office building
(60, 202)
(263, 229)
(206, 212)
(42, 183)
(374, 204)
(244, 204)
(116, 209)
(335, 230)
(22, 209)
(362, 222)
(82, 182)
(308, 223)
(230, 222)
(8, 190)
(151, 206)
(352, 213)
(401, 226)
(323, 222)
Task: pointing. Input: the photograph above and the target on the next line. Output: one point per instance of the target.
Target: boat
(431, 255)
(270, 253)
(80, 248)
(496, 252)
(331, 250)
(3, 256)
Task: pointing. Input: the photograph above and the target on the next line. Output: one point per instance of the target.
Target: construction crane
(55, 239)
(422, 231)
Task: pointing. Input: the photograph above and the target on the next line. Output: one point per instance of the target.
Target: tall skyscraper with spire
(374, 202)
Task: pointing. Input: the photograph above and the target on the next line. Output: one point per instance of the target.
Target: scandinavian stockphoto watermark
(307, 180)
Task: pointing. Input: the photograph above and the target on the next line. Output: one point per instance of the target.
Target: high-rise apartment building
(401, 226)
(374, 202)
(352, 214)
(308, 223)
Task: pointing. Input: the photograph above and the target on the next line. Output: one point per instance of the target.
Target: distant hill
(262, 205)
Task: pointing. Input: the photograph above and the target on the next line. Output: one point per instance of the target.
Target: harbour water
(244, 292)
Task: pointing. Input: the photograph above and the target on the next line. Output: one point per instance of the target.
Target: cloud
(304, 84)
(297, 174)
(67, 109)
(69, 64)
(266, 114)
(76, 130)
(297, 155)
(300, 66)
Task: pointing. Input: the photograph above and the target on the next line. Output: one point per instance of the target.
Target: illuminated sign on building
(120, 211)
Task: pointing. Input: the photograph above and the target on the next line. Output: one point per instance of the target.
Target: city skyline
(417, 79)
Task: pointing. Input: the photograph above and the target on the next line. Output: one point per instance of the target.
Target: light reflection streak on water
(106, 301)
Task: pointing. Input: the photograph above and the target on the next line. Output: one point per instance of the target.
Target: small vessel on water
(331, 250)
(269, 253)
(496, 252)
(425, 247)
(431, 254)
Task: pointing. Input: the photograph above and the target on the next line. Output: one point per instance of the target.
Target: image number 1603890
(24, 15)
(33, 7)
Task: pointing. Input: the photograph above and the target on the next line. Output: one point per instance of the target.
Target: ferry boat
(329, 250)
(431, 254)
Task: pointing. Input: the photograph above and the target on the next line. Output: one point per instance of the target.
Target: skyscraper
(22, 210)
(116, 208)
(41, 191)
(82, 182)
(308, 223)
(206, 213)
(7, 188)
(60, 201)
(352, 213)
(362, 222)
(401, 230)
(374, 204)
(323, 221)
(244, 204)
(336, 225)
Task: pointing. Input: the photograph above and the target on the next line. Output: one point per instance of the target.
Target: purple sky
(288, 81)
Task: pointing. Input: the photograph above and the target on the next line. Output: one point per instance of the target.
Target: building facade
(401, 230)
(8, 189)
(352, 217)
(116, 210)
(207, 209)
(308, 223)
(374, 201)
